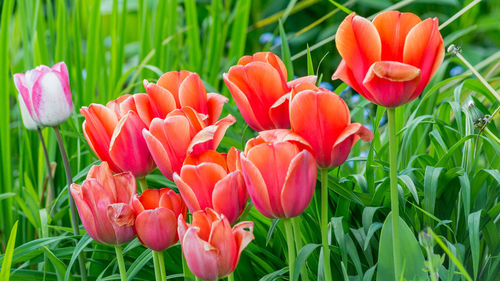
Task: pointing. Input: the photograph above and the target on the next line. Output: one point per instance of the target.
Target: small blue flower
(266, 38)
(363, 154)
(326, 85)
(366, 113)
(355, 98)
(369, 126)
(382, 121)
(277, 41)
(343, 94)
(456, 70)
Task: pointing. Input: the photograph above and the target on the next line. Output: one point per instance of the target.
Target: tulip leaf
(473, 223)
(60, 267)
(271, 230)
(412, 259)
(300, 261)
(9, 252)
(86, 239)
(285, 52)
(275, 275)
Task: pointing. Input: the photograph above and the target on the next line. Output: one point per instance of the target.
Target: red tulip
(156, 213)
(104, 204)
(211, 248)
(259, 88)
(185, 88)
(116, 137)
(280, 176)
(322, 118)
(207, 181)
(390, 60)
(183, 132)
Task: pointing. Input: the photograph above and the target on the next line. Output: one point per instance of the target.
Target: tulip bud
(45, 94)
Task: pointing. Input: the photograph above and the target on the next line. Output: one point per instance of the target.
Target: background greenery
(449, 176)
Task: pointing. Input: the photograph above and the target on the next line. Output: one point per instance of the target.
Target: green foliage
(449, 179)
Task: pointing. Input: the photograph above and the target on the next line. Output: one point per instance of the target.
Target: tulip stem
(121, 263)
(161, 262)
(298, 243)
(156, 265)
(50, 191)
(291, 246)
(143, 183)
(324, 224)
(72, 207)
(231, 277)
(393, 176)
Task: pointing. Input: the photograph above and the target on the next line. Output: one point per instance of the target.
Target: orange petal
(223, 240)
(226, 196)
(215, 103)
(311, 79)
(393, 27)
(187, 194)
(345, 74)
(299, 184)
(192, 93)
(424, 49)
(144, 108)
(162, 100)
(210, 137)
(233, 159)
(279, 112)
(345, 142)
(171, 82)
(243, 233)
(256, 187)
(201, 257)
(157, 229)
(392, 83)
(211, 156)
(358, 43)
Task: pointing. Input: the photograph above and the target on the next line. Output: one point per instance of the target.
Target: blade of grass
(193, 34)
(239, 30)
(9, 252)
(285, 52)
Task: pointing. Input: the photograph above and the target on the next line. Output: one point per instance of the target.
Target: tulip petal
(242, 101)
(86, 215)
(229, 196)
(157, 228)
(201, 257)
(358, 43)
(221, 237)
(392, 83)
(243, 237)
(126, 186)
(187, 194)
(256, 187)
(127, 138)
(279, 112)
(233, 159)
(144, 108)
(211, 156)
(192, 93)
(345, 74)
(171, 82)
(24, 92)
(299, 184)
(210, 137)
(346, 141)
(424, 49)
(312, 118)
(305, 79)
(161, 99)
(102, 173)
(215, 103)
(393, 27)
(47, 94)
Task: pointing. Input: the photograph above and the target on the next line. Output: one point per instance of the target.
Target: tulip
(156, 213)
(104, 204)
(322, 118)
(44, 96)
(207, 181)
(390, 60)
(211, 248)
(114, 133)
(181, 133)
(259, 88)
(184, 88)
(279, 175)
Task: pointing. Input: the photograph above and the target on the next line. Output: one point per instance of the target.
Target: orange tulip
(390, 60)
(104, 204)
(259, 88)
(181, 133)
(323, 119)
(114, 133)
(184, 88)
(156, 213)
(279, 174)
(207, 181)
(211, 248)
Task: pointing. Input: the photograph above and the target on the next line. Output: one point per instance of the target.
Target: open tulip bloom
(44, 96)
(211, 247)
(209, 181)
(104, 204)
(390, 60)
(259, 87)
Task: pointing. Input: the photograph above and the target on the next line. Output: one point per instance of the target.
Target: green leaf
(300, 261)
(473, 223)
(285, 52)
(9, 252)
(430, 187)
(59, 266)
(271, 230)
(86, 239)
(412, 261)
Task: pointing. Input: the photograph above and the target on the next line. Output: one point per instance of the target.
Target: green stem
(72, 207)
(161, 262)
(324, 224)
(291, 246)
(156, 265)
(50, 191)
(143, 184)
(121, 263)
(298, 244)
(393, 176)
(230, 277)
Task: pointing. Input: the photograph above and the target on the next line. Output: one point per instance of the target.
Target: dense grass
(448, 167)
